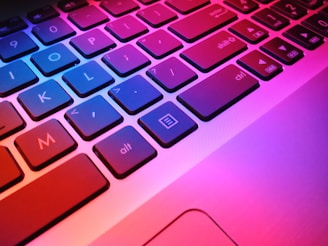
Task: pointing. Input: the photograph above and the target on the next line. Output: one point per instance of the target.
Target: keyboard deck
(126, 79)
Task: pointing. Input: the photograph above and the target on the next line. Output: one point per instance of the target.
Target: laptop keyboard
(93, 64)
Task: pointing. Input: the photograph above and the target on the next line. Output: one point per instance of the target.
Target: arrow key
(282, 51)
(261, 65)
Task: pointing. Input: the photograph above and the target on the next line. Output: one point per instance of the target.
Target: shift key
(214, 51)
(218, 92)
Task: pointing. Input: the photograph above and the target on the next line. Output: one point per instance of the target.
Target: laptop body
(133, 209)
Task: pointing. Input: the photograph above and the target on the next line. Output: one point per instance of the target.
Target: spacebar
(45, 201)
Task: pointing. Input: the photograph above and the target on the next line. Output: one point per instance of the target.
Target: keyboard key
(119, 8)
(15, 46)
(45, 144)
(10, 171)
(92, 43)
(147, 1)
(249, 31)
(54, 59)
(157, 15)
(313, 4)
(126, 28)
(271, 19)
(126, 60)
(87, 17)
(135, 94)
(11, 25)
(304, 37)
(167, 124)
(318, 23)
(186, 6)
(10, 120)
(70, 5)
(261, 65)
(124, 152)
(42, 14)
(171, 74)
(15, 76)
(202, 22)
(244, 6)
(324, 11)
(93, 117)
(88, 78)
(30, 211)
(213, 51)
(218, 92)
(290, 9)
(44, 99)
(282, 51)
(159, 44)
(52, 31)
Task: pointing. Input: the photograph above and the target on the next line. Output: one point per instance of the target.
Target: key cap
(213, 51)
(54, 59)
(45, 144)
(167, 124)
(186, 6)
(157, 15)
(92, 43)
(42, 14)
(261, 65)
(124, 152)
(87, 17)
(249, 31)
(271, 19)
(119, 8)
(93, 117)
(10, 120)
(304, 37)
(31, 210)
(146, 2)
(244, 6)
(282, 51)
(15, 76)
(87, 78)
(10, 171)
(172, 74)
(126, 28)
(126, 60)
(11, 25)
(318, 23)
(202, 22)
(135, 94)
(15, 46)
(53, 31)
(215, 94)
(159, 44)
(44, 99)
(290, 9)
(313, 4)
(70, 5)
(324, 11)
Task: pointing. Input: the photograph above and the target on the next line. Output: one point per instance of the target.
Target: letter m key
(49, 139)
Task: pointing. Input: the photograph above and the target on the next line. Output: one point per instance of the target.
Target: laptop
(163, 122)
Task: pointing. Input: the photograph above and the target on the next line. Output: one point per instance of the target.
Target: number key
(271, 19)
(318, 23)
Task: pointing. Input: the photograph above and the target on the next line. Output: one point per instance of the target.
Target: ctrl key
(43, 202)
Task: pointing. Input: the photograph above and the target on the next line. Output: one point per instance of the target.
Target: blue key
(15, 46)
(167, 124)
(135, 94)
(124, 152)
(14, 77)
(93, 117)
(44, 99)
(88, 78)
(54, 59)
(53, 31)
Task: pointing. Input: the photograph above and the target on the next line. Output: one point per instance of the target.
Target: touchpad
(193, 227)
